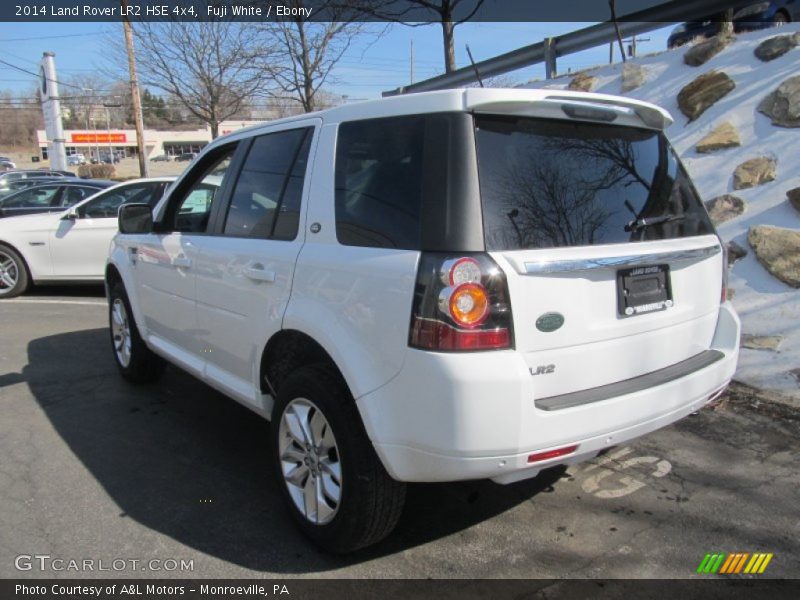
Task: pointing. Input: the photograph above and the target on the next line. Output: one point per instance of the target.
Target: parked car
(70, 245)
(161, 158)
(7, 164)
(467, 284)
(76, 159)
(12, 187)
(186, 157)
(50, 197)
(6, 178)
(747, 16)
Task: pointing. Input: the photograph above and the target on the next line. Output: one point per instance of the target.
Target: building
(91, 142)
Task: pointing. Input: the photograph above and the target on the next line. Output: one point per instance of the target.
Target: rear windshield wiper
(644, 222)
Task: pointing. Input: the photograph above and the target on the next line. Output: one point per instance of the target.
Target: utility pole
(137, 100)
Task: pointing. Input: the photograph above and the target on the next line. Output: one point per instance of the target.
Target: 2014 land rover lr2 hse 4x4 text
(443, 286)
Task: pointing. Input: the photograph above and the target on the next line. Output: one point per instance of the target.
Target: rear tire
(334, 484)
(135, 361)
(13, 273)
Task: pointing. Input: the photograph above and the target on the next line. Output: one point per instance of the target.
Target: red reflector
(539, 456)
(430, 334)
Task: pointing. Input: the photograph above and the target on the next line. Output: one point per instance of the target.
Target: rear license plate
(643, 290)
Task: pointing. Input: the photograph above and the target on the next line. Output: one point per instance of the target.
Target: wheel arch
(286, 351)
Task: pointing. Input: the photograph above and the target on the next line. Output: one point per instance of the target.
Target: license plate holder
(642, 290)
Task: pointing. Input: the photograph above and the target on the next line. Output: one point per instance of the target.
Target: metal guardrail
(570, 43)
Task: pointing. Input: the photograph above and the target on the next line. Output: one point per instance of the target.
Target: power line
(43, 37)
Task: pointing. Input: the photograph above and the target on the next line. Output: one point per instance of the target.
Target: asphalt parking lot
(94, 468)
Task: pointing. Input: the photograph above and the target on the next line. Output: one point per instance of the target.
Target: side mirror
(135, 218)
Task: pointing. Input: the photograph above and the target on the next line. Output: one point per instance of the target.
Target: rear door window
(265, 202)
(548, 183)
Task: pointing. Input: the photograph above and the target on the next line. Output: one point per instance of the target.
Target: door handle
(257, 272)
(181, 262)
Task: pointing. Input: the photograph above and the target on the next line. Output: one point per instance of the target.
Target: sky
(368, 68)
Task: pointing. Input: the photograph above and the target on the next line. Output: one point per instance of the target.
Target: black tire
(14, 278)
(142, 365)
(370, 500)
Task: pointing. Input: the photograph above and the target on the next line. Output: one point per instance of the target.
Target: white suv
(452, 285)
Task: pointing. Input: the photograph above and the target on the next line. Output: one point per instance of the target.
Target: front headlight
(749, 11)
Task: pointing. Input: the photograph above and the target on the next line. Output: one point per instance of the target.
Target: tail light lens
(461, 303)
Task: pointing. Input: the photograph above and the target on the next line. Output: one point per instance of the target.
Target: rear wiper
(638, 224)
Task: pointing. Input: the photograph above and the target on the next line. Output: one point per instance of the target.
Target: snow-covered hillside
(766, 305)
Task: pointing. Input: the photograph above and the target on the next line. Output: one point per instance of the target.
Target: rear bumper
(448, 417)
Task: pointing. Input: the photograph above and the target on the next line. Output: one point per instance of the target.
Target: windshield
(548, 183)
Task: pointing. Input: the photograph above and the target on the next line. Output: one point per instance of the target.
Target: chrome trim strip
(612, 262)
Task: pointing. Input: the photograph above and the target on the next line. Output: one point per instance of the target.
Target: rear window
(547, 184)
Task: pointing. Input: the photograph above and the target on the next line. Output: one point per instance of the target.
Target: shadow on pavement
(185, 461)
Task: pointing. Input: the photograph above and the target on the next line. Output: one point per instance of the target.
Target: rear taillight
(461, 303)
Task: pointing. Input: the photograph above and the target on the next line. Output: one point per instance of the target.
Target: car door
(245, 267)
(164, 261)
(79, 243)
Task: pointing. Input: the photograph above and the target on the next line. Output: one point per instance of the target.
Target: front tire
(13, 273)
(333, 482)
(135, 361)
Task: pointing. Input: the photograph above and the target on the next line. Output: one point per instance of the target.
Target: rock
(776, 47)
(753, 172)
(633, 76)
(783, 105)
(582, 83)
(701, 53)
(723, 136)
(724, 208)
(778, 249)
(695, 97)
(794, 197)
(760, 342)
(735, 253)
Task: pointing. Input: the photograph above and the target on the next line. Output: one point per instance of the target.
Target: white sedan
(68, 246)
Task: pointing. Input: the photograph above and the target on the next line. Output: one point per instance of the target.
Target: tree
(443, 10)
(211, 69)
(310, 51)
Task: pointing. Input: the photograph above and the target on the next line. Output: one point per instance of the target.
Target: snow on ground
(766, 305)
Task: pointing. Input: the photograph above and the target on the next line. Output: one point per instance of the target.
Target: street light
(108, 105)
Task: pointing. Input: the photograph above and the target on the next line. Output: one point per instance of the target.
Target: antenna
(474, 66)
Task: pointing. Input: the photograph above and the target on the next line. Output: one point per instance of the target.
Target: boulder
(778, 249)
(783, 104)
(701, 53)
(633, 76)
(723, 136)
(775, 47)
(582, 83)
(735, 253)
(697, 96)
(753, 172)
(724, 208)
(794, 197)
(761, 342)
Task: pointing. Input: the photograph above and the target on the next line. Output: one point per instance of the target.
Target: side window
(72, 195)
(266, 199)
(34, 197)
(379, 182)
(192, 210)
(107, 204)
